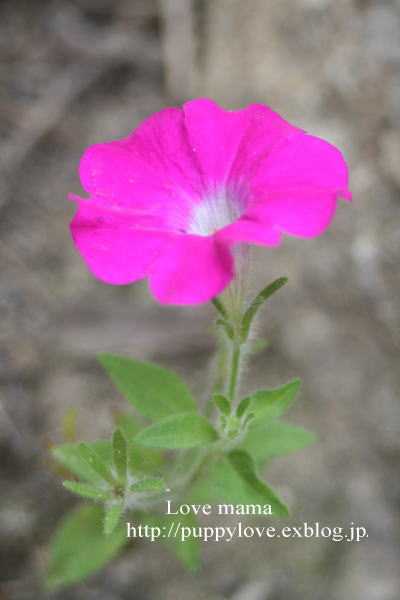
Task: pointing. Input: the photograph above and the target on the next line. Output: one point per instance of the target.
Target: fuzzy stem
(235, 367)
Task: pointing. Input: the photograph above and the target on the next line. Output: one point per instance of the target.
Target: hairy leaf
(242, 407)
(257, 302)
(150, 484)
(154, 391)
(244, 466)
(278, 437)
(80, 548)
(268, 405)
(187, 551)
(233, 488)
(87, 491)
(141, 460)
(96, 462)
(185, 430)
(69, 455)
(120, 454)
(112, 515)
(222, 403)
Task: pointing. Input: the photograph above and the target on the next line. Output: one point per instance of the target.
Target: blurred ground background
(76, 72)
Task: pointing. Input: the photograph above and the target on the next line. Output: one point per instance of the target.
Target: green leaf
(87, 491)
(230, 332)
(278, 437)
(220, 307)
(244, 466)
(185, 430)
(242, 407)
(257, 302)
(186, 551)
(248, 418)
(111, 517)
(120, 454)
(69, 456)
(222, 403)
(257, 346)
(268, 405)
(155, 392)
(79, 547)
(150, 484)
(234, 489)
(95, 461)
(204, 490)
(140, 459)
(129, 425)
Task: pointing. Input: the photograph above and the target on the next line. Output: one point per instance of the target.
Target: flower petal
(230, 142)
(250, 229)
(112, 171)
(151, 170)
(304, 213)
(161, 141)
(112, 247)
(298, 184)
(192, 270)
(303, 161)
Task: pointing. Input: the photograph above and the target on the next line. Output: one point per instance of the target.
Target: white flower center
(216, 211)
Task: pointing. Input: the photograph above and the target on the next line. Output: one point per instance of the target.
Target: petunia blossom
(171, 200)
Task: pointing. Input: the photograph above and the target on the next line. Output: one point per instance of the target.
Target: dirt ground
(77, 72)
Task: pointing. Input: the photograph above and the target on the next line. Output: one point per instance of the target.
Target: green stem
(220, 374)
(221, 368)
(234, 375)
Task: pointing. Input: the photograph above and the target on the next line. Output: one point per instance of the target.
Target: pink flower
(170, 200)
